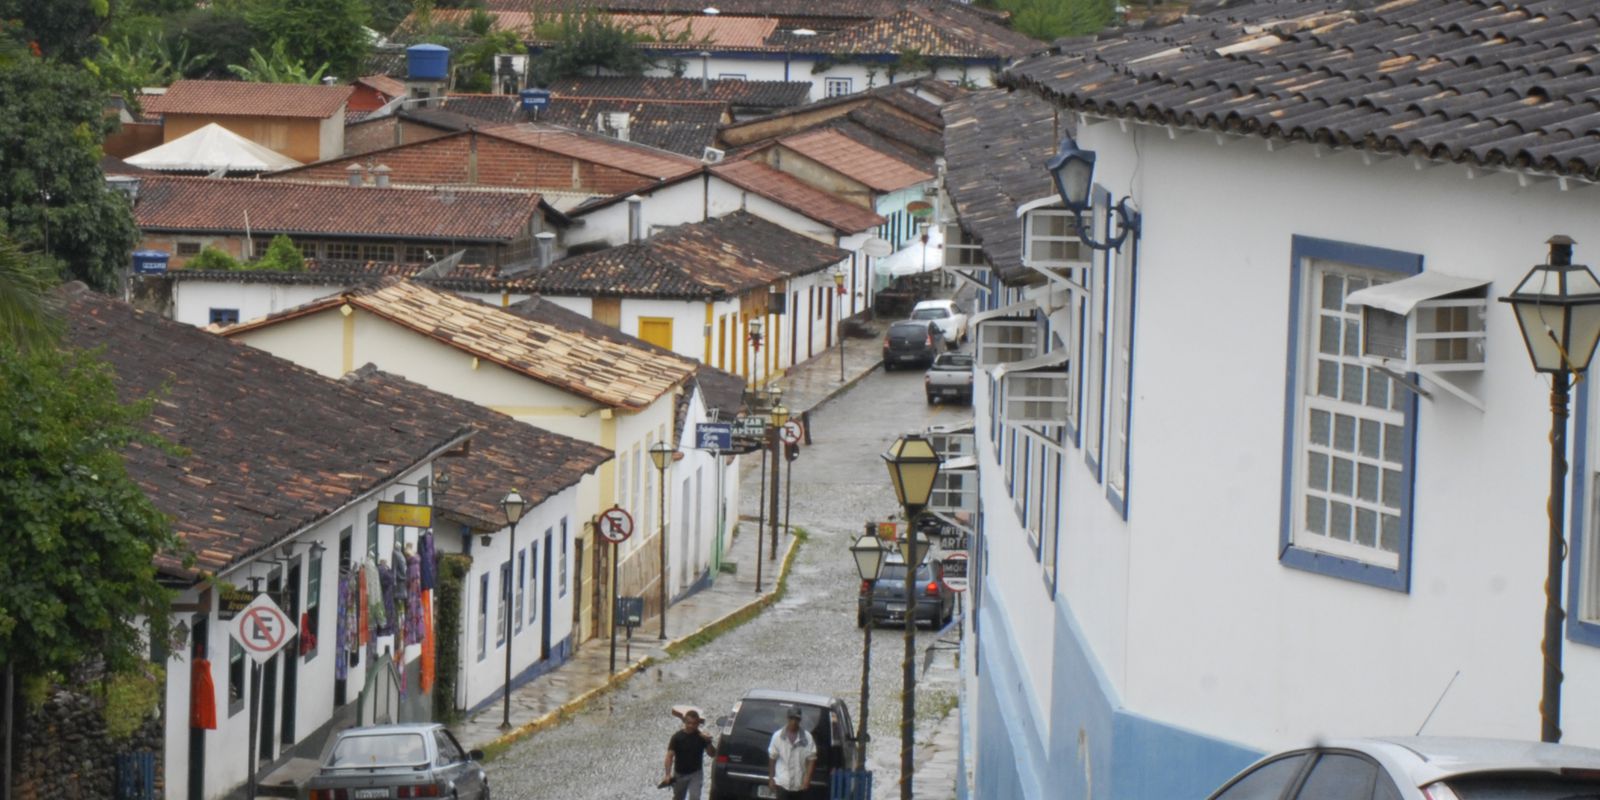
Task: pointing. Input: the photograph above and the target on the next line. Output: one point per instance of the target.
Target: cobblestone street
(808, 641)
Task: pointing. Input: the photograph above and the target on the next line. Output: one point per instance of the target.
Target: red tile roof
(932, 31)
(598, 148)
(722, 33)
(383, 84)
(272, 207)
(245, 99)
(797, 195)
(852, 159)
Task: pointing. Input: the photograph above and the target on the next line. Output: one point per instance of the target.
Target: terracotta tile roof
(683, 127)
(1479, 82)
(997, 143)
(933, 31)
(246, 99)
(852, 159)
(603, 371)
(741, 94)
(898, 101)
(219, 204)
(827, 9)
(330, 273)
(384, 85)
(269, 447)
(504, 453)
(797, 195)
(597, 147)
(718, 32)
(720, 258)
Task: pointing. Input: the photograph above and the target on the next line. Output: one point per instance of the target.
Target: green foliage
(281, 256)
(316, 31)
(134, 62)
(26, 321)
(63, 29)
(131, 698)
(224, 34)
(1048, 20)
(448, 593)
(276, 67)
(81, 536)
(476, 65)
(585, 44)
(212, 259)
(53, 196)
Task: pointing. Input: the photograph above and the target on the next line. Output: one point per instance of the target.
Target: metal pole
(841, 343)
(661, 527)
(761, 518)
(788, 488)
(250, 740)
(721, 515)
(1550, 699)
(5, 777)
(511, 596)
(908, 698)
(866, 668)
(613, 608)
(777, 464)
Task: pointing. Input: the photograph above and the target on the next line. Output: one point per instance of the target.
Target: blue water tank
(535, 99)
(427, 62)
(149, 262)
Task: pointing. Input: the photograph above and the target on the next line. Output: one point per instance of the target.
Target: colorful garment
(341, 632)
(413, 598)
(427, 641)
(430, 563)
(385, 605)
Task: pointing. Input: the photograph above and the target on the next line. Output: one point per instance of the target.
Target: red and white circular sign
(262, 628)
(792, 432)
(616, 525)
(955, 571)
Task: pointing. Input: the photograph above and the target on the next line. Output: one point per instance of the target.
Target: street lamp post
(780, 415)
(513, 506)
(868, 553)
(755, 345)
(661, 453)
(1558, 309)
(913, 467)
(838, 288)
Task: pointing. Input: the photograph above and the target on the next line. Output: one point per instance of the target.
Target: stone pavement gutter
(700, 636)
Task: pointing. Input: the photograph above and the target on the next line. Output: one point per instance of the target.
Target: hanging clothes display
(385, 605)
(373, 580)
(414, 621)
(341, 632)
(430, 564)
(427, 641)
(202, 696)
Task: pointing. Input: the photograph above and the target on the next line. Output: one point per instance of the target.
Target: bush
(211, 258)
(281, 256)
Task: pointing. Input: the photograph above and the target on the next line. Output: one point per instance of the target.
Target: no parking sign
(262, 628)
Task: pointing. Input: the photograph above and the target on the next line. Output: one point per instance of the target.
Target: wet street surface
(808, 641)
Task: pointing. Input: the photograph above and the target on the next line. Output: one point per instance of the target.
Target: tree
(213, 260)
(63, 29)
(276, 67)
(223, 33)
(26, 321)
(281, 256)
(585, 44)
(316, 31)
(53, 196)
(81, 537)
(1048, 20)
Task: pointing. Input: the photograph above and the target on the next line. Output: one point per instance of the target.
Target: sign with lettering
(262, 629)
(615, 525)
(231, 601)
(955, 571)
(750, 427)
(405, 515)
(716, 436)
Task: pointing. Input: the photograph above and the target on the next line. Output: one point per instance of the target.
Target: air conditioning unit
(1431, 322)
(712, 155)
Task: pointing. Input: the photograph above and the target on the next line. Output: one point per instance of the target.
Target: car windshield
(896, 573)
(930, 313)
(379, 750)
(1525, 787)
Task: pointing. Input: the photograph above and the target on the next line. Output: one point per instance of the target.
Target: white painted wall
(192, 300)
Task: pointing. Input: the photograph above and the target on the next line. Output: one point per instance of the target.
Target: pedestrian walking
(686, 751)
(791, 756)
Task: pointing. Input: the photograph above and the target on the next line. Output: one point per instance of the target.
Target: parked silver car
(399, 761)
(1421, 768)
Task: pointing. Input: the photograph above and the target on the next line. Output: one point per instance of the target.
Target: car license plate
(369, 794)
(897, 608)
(765, 791)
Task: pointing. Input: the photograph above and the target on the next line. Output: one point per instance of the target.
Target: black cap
(794, 713)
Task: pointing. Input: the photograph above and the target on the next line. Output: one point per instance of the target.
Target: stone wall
(63, 749)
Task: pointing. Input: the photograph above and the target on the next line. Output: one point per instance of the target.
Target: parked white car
(943, 313)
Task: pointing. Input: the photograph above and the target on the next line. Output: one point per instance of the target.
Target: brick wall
(386, 132)
(499, 163)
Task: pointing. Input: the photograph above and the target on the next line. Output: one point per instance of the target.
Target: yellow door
(657, 331)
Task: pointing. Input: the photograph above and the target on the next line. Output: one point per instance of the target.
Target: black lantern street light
(839, 275)
(513, 506)
(662, 454)
(868, 553)
(913, 467)
(1072, 170)
(1558, 309)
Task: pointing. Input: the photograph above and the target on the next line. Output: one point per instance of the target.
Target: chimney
(380, 176)
(705, 72)
(330, 80)
(128, 185)
(353, 174)
(635, 218)
(546, 248)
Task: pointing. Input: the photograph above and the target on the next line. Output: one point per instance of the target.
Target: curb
(673, 648)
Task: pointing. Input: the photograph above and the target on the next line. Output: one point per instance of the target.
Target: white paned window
(836, 87)
(953, 444)
(1050, 498)
(1119, 390)
(1093, 376)
(954, 491)
(503, 607)
(1050, 239)
(1353, 438)
(522, 583)
(483, 615)
(562, 567)
(1003, 341)
(1037, 398)
(624, 486)
(961, 249)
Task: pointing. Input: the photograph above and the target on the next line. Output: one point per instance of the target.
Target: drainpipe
(546, 242)
(705, 72)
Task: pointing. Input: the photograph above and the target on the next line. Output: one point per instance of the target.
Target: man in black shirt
(685, 752)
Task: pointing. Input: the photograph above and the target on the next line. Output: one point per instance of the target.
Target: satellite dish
(876, 247)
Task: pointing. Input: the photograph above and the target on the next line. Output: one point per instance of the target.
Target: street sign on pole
(262, 628)
(616, 525)
(630, 611)
(955, 571)
(792, 432)
(750, 427)
(717, 436)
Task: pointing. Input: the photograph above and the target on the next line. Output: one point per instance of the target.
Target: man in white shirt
(791, 755)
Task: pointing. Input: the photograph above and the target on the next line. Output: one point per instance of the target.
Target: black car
(740, 768)
(914, 342)
(884, 600)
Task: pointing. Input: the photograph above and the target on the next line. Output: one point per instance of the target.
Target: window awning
(1015, 309)
(1054, 358)
(959, 463)
(1400, 297)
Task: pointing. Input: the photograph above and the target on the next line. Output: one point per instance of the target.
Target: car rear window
(953, 361)
(908, 329)
(379, 750)
(930, 313)
(896, 573)
(1525, 787)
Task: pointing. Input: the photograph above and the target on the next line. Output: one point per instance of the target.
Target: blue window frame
(1119, 434)
(483, 616)
(224, 316)
(1349, 456)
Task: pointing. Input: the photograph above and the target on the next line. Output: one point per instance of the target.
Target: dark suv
(740, 768)
(884, 600)
(911, 341)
